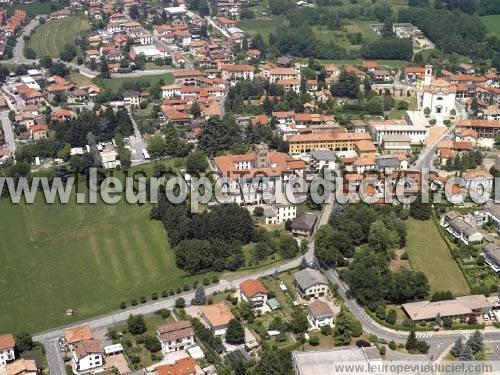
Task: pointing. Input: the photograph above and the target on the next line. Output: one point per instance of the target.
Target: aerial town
(309, 184)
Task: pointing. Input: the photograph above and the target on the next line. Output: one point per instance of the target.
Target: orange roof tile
(252, 287)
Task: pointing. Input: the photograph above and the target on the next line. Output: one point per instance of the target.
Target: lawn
(115, 84)
(79, 79)
(88, 258)
(364, 28)
(429, 253)
(51, 37)
(492, 23)
(397, 114)
(263, 26)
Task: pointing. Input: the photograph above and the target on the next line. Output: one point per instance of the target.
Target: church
(437, 94)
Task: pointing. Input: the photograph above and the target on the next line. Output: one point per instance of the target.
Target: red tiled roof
(252, 287)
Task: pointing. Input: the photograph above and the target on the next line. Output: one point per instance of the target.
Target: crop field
(85, 257)
(50, 38)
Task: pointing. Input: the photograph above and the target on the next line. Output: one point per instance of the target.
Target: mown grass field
(114, 84)
(262, 26)
(51, 37)
(87, 257)
(492, 23)
(429, 253)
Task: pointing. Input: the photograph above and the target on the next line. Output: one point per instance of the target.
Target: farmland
(492, 23)
(85, 257)
(50, 38)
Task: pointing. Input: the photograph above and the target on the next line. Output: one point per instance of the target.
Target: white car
(486, 317)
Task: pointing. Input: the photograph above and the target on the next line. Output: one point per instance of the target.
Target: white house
(253, 290)
(491, 254)
(171, 91)
(280, 213)
(320, 314)
(175, 336)
(7, 344)
(460, 229)
(310, 283)
(87, 355)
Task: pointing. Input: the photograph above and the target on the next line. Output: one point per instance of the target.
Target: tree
(475, 343)
(219, 135)
(157, 146)
(199, 297)
(420, 210)
(411, 342)
(195, 110)
(180, 303)
(134, 12)
(391, 316)
(29, 53)
(24, 342)
(346, 327)
(457, 348)
(347, 86)
(196, 163)
(299, 322)
(152, 344)
(136, 324)
(303, 263)
(422, 347)
(382, 239)
(235, 333)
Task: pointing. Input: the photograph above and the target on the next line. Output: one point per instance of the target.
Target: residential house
(365, 148)
(460, 229)
(320, 159)
(484, 128)
(303, 225)
(175, 336)
(217, 316)
(232, 72)
(131, 98)
(478, 181)
(22, 367)
(253, 290)
(86, 353)
(7, 345)
(380, 129)
(455, 308)
(491, 254)
(184, 366)
(39, 132)
(310, 283)
(278, 213)
(396, 144)
(320, 314)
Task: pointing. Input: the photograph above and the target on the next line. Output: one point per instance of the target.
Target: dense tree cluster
(206, 241)
(468, 160)
(469, 351)
(388, 49)
(219, 134)
(346, 327)
(452, 31)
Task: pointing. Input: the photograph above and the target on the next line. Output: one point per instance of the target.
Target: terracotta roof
(79, 333)
(174, 331)
(86, 347)
(187, 73)
(7, 341)
(252, 287)
(415, 69)
(319, 308)
(329, 136)
(217, 314)
(366, 146)
(21, 366)
(237, 68)
(283, 71)
(183, 366)
(479, 123)
(370, 64)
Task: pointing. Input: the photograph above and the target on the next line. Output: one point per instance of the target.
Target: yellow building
(335, 141)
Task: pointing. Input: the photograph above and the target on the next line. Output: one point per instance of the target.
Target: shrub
(179, 290)
(185, 287)
(447, 322)
(171, 292)
(362, 344)
(382, 350)
(143, 299)
(326, 330)
(133, 302)
(164, 313)
(180, 303)
(154, 296)
(392, 345)
(391, 316)
(206, 282)
(123, 305)
(215, 279)
(164, 294)
(314, 340)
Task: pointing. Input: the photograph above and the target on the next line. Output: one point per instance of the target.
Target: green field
(51, 37)
(492, 23)
(83, 257)
(262, 26)
(115, 84)
(429, 253)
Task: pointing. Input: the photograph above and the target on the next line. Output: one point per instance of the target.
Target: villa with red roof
(253, 290)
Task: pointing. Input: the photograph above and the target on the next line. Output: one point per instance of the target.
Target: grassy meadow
(50, 38)
(88, 257)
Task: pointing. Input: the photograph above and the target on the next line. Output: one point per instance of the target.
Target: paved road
(8, 131)
(215, 26)
(18, 55)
